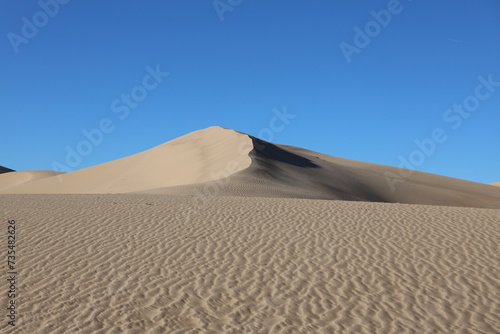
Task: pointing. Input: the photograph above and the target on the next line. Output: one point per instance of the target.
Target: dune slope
(218, 161)
(287, 171)
(196, 157)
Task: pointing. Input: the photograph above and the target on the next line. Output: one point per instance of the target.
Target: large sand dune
(219, 161)
(152, 264)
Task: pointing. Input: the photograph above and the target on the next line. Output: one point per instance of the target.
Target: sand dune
(150, 264)
(495, 184)
(14, 179)
(219, 161)
(196, 157)
(286, 171)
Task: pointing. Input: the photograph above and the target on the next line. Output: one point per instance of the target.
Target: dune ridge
(232, 163)
(287, 171)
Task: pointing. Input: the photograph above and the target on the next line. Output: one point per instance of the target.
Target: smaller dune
(13, 179)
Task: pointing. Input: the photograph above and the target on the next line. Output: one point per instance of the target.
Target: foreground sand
(160, 264)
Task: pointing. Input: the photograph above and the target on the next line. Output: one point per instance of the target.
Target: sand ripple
(147, 264)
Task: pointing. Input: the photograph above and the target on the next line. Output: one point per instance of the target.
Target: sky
(400, 83)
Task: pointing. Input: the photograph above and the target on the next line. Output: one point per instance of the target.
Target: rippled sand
(160, 264)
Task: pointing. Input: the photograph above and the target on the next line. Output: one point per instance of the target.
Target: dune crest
(219, 161)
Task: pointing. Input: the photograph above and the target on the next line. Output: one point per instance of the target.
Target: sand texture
(153, 264)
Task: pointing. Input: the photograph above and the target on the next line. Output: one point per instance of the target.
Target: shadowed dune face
(270, 152)
(287, 171)
(303, 175)
(340, 180)
(218, 161)
(5, 170)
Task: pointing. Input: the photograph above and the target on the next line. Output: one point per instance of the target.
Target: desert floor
(170, 264)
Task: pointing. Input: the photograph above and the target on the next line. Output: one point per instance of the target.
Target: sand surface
(160, 264)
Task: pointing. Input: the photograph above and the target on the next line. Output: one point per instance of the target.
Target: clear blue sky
(86, 56)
